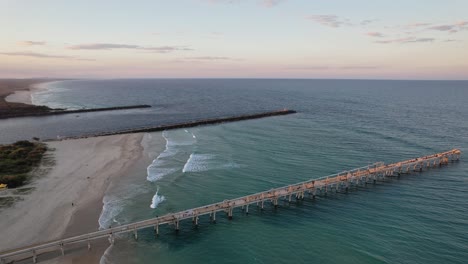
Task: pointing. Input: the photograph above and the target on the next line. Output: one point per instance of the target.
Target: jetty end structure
(342, 182)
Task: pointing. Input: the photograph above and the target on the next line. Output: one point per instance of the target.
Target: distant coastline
(15, 100)
(21, 105)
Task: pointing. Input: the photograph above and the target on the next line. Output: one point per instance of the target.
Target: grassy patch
(9, 201)
(18, 159)
(23, 191)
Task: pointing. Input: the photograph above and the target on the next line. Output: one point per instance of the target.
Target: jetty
(188, 124)
(35, 111)
(339, 182)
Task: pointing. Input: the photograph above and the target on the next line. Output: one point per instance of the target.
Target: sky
(343, 39)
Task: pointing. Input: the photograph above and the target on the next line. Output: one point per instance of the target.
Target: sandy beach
(68, 200)
(14, 92)
(24, 96)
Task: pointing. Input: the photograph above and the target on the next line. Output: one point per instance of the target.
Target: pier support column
(230, 213)
(262, 205)
(177, 226)
(275, 202)
(111, 239)
(135, 233)
(156, 229)
(62, 249)
(34, 256)
(247, 209)
(89, 245)
(214, 217)
(289, 199)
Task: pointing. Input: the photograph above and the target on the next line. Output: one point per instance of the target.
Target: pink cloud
(329, 20)
(416, 25)
(443, 27)
(406, 40)
(32, 43)
(270, 3)
(375, 34)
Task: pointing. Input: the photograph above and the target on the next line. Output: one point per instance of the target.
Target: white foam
(105, 257)
(164, 165)
(206, 162)
(198, 162)
(155, 174)
(157, 199)
(114, 204)
(154, 171)
(110, 209)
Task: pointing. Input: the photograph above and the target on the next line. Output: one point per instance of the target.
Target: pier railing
(321, 186)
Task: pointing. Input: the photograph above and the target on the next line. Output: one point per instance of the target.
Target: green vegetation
(18, 159)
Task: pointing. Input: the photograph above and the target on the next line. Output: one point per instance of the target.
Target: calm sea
(341, 124)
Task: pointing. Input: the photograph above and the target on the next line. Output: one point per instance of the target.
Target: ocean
(340, 125)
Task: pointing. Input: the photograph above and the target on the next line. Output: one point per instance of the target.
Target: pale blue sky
(410, 39)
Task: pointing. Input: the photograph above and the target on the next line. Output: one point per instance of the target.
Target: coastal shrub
(13, 181)
(18, 159)
(24, 143)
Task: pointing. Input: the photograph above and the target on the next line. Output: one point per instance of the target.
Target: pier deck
(341, 181)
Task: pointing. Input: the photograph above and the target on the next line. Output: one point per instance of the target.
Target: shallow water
(419, 218)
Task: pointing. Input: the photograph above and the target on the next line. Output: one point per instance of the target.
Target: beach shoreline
(19, 91)
(68, 200)
(23, 96)
(15, 97)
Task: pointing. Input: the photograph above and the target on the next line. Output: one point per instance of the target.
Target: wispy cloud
(417, 25)
(271, 3)
(367, 22)
(112, 46)
(375, 34)
(406, 40)
(360, 67)
(209, 58)
(32, 43)
(451, 28)
(265, 3)
(103, 46)
(336, 21)
(165, 49)
(334, 67)
(42, 55)
(442, 28)
(329, 20)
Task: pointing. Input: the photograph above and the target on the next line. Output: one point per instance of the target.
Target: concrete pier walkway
(337, 182)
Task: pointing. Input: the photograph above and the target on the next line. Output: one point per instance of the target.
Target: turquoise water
(418, 218)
